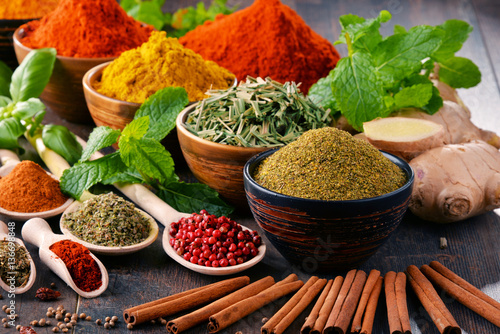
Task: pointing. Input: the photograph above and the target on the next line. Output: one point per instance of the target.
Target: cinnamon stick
(371, 307)
(400, 288)
(344, 290)
(192, 319)
(268, 327)
(182, 301)
(430, 300)
(326, 309)
(440, 268)
(349, 306)
(311, 318)
(392, 306)
(464, 296)
(247, 306)
(358, 316)
(311, 293)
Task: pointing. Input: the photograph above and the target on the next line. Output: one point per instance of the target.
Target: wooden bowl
(64, 92)
(318, 235)
(7, 29)
(217, 165)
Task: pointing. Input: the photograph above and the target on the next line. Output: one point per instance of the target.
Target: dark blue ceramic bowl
(318, 235)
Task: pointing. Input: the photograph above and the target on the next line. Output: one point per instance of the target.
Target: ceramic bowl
(64, 92)
(7, 29)
(217, 165)
(318, 235)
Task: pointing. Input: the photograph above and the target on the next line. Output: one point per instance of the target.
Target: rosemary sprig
(256, 113)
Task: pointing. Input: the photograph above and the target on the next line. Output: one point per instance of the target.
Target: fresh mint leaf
(5, 77)
(148, 156)
(62, 141)
(435, 102)
(137, 128)
(194, 197)
(10, 130)
(456, 33)
(401, 55)
(414, 96)
(162, 109)
(398, 29)
(32, 75)
(130, 176)
(99, 138)
(459, 72)
(359, 94)
(82, 176)
(322, 95)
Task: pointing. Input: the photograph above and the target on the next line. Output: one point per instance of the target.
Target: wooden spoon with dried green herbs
(256, 113)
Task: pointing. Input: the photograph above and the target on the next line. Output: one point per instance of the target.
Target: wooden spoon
(37, 231)
(4, 235)
(9, 160)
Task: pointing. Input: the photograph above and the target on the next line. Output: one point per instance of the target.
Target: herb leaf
(414, 96)
(27, 109)
(62, 141)
(33, 74)
(99, 138)
(322, 95)
(459, 72)
(190, 197)
(162, 109)
(456, 33)
(10, 130)
(5, 76)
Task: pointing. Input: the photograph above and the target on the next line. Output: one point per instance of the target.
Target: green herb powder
(14, 262)
(256, 113)
(108, 220)
(329, 164)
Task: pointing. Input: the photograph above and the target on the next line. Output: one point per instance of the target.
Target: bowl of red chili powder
(85, 34)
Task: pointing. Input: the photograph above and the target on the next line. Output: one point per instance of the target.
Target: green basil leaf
(194, 197)
(413, 96)
(148, 156)
(401, 55)
(136, 129)
(162, 109)
(456, 33)
(359, 94)
(128, 5)
(321, 94)
(82, 176)
(4, 101)
(459, 72)
(33, 74)
(5, 77)
(10, 131)
(62, 141)
(27, 109)
(99, 138)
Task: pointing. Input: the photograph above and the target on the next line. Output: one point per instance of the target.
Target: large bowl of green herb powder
(327, 201)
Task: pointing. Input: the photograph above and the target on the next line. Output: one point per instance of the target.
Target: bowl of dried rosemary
(220, 134)
(327, 201)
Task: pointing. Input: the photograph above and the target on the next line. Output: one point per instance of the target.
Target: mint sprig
(381, 75)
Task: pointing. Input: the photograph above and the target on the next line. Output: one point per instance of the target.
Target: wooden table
(473, 245)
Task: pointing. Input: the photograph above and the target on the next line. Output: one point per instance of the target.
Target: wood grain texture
(473, 248)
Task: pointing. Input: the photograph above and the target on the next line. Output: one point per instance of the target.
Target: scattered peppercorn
(98, 322)
(55, 329)
(107, 325)
(107, 319)
(114, 318)
(130, 326)
(88, 318)
(47, 294)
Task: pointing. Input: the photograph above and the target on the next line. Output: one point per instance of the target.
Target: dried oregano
(329, 164)
(256, 113)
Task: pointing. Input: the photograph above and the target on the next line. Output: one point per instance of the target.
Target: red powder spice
(86, 29)
(28, 188)
(82, 267)
(267, 39)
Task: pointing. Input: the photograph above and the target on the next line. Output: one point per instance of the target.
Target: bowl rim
(88, 87)
(256, 159)
(179, 124)
(17, 41)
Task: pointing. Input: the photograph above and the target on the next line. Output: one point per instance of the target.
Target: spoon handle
(4, 230)
(35, 231)
(7, 156)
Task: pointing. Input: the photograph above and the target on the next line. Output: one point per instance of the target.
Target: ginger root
(403, 136)
(456, 181)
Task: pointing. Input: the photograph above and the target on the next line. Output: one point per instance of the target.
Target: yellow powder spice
(161, 62)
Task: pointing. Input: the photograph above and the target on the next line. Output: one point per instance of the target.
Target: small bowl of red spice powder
(85, 34)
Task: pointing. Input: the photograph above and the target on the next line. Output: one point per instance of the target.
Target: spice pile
(26, 9)
(82, 267)
(108, 220)
(19, 269)
(329, 164)
(159, 63)
(256, 113)
(209, 241)
(86, 29)
(267, 39)
(28, 188)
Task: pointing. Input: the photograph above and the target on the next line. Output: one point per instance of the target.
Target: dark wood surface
(473, 245)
